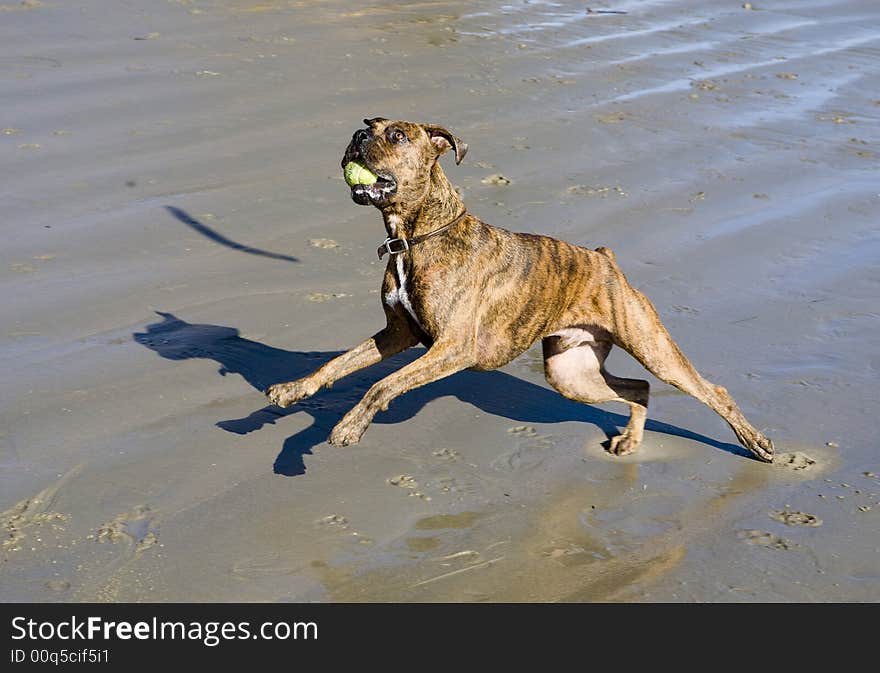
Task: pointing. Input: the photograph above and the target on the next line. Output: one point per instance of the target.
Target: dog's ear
(374, 121)
(443, 140)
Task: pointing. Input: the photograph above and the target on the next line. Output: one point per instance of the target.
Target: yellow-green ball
(357, 174)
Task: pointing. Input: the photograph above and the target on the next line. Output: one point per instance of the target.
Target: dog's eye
(397, 136)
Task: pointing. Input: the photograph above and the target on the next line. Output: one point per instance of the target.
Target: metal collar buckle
(393, 246)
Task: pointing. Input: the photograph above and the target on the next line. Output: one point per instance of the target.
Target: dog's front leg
(396, 337)
(440, 361)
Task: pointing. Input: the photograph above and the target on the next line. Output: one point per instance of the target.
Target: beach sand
(177, 236)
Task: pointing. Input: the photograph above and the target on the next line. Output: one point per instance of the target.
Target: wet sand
(177, 236)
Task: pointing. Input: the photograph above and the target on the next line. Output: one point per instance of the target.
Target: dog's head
(402, 155)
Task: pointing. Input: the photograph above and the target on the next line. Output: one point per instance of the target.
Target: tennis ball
(358, 174)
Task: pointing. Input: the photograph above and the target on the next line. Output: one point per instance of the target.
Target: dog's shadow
(495, 392)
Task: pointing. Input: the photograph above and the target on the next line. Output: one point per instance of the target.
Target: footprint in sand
(448, 485)
(323, 243)
(764, 539)
(796, 460)
(528, 455)
(34, 517)
(59, 586)
(404, 481)
(495, 179)
(409, 482)
(336, 523)
(446, 454)
(573, 555)
(790, 518)
(332, 521)
(325, 296)
(137, 528)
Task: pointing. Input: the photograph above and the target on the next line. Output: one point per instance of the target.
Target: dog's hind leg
(574, 365)
(396, 337)
(640, 332)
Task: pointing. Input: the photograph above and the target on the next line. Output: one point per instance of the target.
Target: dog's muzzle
(377, 193)
(381, 190)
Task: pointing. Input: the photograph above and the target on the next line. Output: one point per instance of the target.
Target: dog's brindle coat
(477, 296)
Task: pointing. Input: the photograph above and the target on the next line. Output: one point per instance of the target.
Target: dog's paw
(762, 447)
(755, 442)
(346, 432)
(285, 394)
(623, 444)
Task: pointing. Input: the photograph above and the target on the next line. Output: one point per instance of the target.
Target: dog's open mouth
(378, 192)
(369, 186)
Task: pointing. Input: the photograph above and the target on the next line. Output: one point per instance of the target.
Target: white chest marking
(399, 295)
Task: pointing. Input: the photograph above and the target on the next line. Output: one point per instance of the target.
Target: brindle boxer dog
(477, 296)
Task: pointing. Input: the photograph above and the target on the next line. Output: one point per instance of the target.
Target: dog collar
(395, 246)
